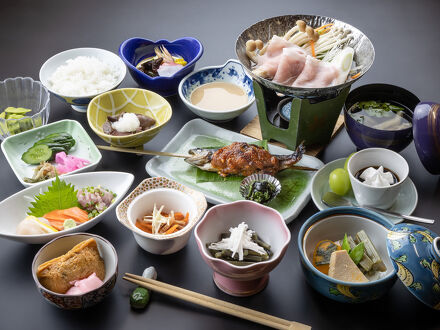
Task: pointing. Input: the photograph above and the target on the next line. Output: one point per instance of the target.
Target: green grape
(346, 161)
(339, 181)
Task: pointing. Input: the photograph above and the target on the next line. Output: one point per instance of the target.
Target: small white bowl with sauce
(218, 93)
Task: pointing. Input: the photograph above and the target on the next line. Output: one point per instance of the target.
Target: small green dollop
(139, 298)
(69, 223)
(261, 191)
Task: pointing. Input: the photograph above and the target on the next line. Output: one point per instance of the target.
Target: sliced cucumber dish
(45, 149)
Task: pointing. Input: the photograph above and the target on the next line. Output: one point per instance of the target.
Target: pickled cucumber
(37, 154)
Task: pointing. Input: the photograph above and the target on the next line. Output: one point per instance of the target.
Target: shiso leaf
(59, 196)
(205, 176)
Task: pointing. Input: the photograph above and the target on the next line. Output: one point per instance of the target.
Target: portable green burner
(308, 120)
(293, 114)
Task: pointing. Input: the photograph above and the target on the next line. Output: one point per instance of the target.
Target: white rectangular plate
(199, 129)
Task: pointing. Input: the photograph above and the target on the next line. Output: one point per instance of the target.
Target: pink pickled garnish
(69, 163)
(85, 285)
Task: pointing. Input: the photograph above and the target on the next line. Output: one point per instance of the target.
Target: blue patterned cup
(230, 72)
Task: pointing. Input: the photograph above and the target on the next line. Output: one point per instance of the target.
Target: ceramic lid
(426, 132)
(415, 253)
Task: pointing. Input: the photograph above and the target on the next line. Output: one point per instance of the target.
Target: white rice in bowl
(83, 76)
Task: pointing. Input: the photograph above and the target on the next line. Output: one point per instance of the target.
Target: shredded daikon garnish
(157, 219)
(240, 239)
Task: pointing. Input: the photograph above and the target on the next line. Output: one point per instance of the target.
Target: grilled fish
(240, 158)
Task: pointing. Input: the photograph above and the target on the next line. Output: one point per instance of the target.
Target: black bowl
(367, 137)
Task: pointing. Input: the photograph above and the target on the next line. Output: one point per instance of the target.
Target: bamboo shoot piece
(371, 251)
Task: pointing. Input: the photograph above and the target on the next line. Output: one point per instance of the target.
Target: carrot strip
(178, 216)
(171, 230)
(324, 26)
(186, 217)
(356, 75)
(144, 226)
(312, 47)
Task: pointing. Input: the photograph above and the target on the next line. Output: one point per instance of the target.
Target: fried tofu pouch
(80, 262)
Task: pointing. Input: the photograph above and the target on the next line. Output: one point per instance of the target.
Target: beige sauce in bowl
(219, 96)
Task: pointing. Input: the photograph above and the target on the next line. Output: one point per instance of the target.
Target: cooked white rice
(83, 76)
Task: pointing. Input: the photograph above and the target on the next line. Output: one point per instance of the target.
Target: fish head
(200, 157)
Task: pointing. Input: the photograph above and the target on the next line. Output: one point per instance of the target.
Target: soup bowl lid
(415, 253)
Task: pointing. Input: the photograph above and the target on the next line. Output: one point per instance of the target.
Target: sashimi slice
(57, 217)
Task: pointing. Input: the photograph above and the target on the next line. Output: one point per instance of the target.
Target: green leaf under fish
(293, 182)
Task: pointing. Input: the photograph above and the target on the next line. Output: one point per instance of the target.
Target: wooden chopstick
(141, 152)
(303, 168)
(169, 154)
(216, 304)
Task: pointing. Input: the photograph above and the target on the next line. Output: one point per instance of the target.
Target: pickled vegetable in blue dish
(380, 115)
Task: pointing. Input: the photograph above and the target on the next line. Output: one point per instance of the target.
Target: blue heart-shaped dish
(134, 50)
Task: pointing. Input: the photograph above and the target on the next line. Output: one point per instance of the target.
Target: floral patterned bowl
(174, 196)
(231, 72)
(265, 221)
(60, 246)
(333, 224)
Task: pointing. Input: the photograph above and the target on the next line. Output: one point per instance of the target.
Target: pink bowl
(265, 221)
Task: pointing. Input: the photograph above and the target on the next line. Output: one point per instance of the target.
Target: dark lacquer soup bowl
(332, 224)
(367, 137)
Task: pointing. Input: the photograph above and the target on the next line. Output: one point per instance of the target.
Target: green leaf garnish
(357, 253)
(59, 196)
(345, 244)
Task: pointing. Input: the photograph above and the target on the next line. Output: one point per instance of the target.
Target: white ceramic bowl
(13, 209)
(62, 245)
(161, 191)
(80, 102)
(381, 197)
(231, 72)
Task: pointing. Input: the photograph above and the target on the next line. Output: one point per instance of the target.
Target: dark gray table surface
(405, 36)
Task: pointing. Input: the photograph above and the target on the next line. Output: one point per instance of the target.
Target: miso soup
(380, 115)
